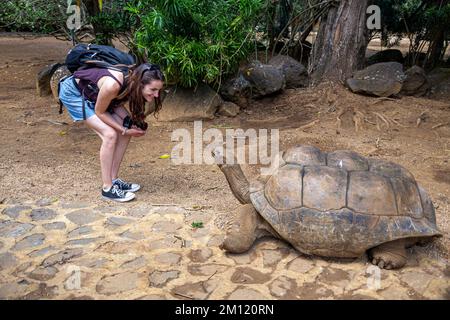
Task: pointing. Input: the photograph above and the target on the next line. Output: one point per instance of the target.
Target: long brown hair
(139, 77)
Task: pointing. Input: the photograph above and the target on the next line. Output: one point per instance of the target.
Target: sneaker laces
(122, 184)
(116, 190)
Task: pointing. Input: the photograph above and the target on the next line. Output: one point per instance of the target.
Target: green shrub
(113, 21)
(196, 40)
(42, 16)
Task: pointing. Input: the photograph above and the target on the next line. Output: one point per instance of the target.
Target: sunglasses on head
(151, 67)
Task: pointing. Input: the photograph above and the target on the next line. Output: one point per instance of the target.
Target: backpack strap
(83, 99)
(117, 80)
(106, 65)
(59, 89)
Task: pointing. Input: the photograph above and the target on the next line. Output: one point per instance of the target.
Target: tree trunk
(92, 7)
(435, 49)
(341, 42)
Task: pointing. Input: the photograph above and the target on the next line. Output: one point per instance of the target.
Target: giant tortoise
(336, 204)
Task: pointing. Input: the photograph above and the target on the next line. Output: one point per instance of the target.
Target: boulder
(228, 109)
(294, 72)
(43, 79)
(190, 104)
(389, 55)
(300, 51)
(59, 73)
(439, 80)
(264, 79)
(237, 90)
(381, 79)
(416, 82)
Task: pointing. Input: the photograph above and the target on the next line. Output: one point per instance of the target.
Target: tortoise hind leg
(246, 226)
(390, 255)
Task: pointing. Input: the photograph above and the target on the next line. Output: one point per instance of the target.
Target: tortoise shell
(341, 204)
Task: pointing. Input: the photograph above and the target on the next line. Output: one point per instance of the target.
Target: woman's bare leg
(121, 143)
(109, 138)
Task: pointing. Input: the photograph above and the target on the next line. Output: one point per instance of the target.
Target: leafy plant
(113, 21)
(197, 225)
(42, 16)
(196, 40)
(424, 22)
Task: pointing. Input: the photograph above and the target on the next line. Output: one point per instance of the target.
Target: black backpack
(98, 56)
(85, 56)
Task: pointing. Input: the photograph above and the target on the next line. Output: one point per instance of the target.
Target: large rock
(183, 104)
(439, 79)
(237, 90)
(381, 79)
(229, 109)
(43, 79)
(416, 82)
(58, 74)
(389, 55)
(294, 72)
(264, 79)
(300, 51)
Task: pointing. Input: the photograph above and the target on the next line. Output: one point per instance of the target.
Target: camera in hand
(128, 123)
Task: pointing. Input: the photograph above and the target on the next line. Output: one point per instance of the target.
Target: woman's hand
(135, 132)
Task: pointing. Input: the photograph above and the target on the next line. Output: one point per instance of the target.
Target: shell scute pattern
(341, 204)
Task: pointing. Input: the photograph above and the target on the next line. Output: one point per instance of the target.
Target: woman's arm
(108, 91)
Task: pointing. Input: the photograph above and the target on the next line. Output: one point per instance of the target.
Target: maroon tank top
(92, 76)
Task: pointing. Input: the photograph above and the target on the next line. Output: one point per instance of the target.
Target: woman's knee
(110, 136)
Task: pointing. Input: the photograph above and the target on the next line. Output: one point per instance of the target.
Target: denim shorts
(71, 98)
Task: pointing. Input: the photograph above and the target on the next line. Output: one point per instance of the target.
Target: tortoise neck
(238, 182)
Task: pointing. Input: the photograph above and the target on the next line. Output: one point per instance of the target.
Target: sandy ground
(43, 160)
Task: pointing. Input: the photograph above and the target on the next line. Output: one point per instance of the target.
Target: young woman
(105, 114)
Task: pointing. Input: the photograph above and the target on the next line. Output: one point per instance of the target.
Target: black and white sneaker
(117, 194)
(125, 186)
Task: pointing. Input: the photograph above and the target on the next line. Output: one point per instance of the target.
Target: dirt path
(49, 177)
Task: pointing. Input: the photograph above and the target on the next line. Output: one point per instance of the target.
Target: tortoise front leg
(241, 232)
(390, 255)
(244, 228)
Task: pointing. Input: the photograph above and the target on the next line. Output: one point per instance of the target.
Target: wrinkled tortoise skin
(341, 204)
